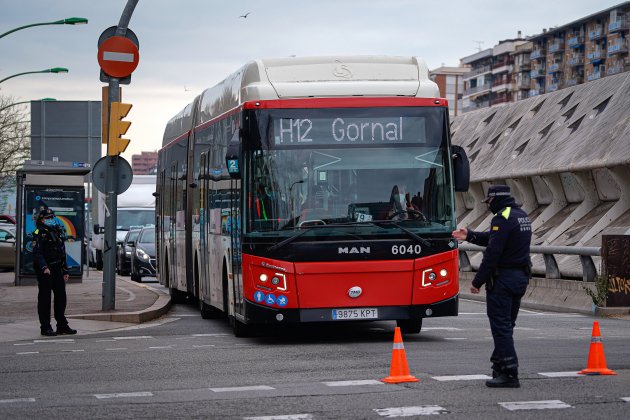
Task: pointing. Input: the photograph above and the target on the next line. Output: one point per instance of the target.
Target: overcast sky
(189, 45)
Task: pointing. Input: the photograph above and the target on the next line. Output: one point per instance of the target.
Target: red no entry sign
(118, 56)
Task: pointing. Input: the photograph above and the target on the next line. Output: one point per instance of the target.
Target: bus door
(235, 235)
(172, 248)
(204, 289)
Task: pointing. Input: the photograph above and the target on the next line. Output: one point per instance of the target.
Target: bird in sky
(245, 15)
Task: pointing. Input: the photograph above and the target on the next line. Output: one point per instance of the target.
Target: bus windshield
(336, 170)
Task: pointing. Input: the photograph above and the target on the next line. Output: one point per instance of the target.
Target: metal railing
(589, 272)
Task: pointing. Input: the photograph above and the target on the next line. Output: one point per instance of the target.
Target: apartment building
(491, 77)
(144, 164)
(450, 81)
(581, 51)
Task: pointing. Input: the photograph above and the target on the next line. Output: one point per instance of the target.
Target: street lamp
(53, 70)
(68, 21)
(26, 102)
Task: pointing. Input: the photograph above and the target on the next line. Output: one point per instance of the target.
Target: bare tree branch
(14, 138)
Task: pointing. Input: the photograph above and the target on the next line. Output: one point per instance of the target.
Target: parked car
(143, 258)
(125, 250)
(7, 246)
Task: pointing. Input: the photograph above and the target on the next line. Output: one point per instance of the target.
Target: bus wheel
(240, 329)
(409, 326)
(206, 310)
(177, 296)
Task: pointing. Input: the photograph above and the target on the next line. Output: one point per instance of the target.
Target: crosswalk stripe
(534, 405)
(560, 374)
(421, 410)
(243, 388)
(461, 377)
(123, 395)
(626, 399)
(17, 400)
(283, 417)
(354, 383)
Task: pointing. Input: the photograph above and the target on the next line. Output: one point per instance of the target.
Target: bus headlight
(443, 272)
(263, 277)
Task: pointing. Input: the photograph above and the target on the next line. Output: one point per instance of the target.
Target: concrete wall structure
(566, 156)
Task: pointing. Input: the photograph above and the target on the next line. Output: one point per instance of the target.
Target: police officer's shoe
(61, 330)
(504, 381)
(49, 332)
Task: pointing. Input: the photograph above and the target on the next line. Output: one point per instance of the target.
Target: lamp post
(68, 21)
(26, 102)
(52, 70)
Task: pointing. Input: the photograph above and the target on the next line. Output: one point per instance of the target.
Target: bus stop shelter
(60, 187)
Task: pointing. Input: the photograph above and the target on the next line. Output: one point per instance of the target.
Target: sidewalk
(135, 303)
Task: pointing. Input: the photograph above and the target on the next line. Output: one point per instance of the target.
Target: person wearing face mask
(49, 257)
(505, 269)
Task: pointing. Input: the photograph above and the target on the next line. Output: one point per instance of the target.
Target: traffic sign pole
(111, 198)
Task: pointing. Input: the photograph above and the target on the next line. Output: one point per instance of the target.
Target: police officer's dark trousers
(503, 303)
(51, 283)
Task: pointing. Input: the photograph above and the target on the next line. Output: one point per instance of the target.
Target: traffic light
(117, 128)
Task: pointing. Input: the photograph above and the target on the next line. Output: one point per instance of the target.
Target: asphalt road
(182, 366)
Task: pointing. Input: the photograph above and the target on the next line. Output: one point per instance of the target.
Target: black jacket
(49, 248)
(507, 243)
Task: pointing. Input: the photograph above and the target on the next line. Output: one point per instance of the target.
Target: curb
(160, 307)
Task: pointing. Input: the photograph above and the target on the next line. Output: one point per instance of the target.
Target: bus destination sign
(348, 131)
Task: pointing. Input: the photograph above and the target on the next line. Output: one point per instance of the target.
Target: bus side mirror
(233, 157)
(461, 169)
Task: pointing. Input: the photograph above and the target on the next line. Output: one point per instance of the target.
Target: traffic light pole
(111, 198)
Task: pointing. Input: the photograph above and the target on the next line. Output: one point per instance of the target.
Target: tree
(14, 139)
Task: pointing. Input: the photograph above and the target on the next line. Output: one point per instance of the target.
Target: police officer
(505, 270)
(49, 257)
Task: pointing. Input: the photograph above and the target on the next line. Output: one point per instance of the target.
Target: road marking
(455, 338)
(123, 395)
(243, 388)
(103, 340)
(534, 405)
(56, 340)
(72, 351)
(211, 335)
(23, 344)
(17, 400)
(285, 417)
(626, 399)
(472, 313)
(117, 348)
(441, 329)
(161, 347)
(460, 378)
(133, 337)
(28, 352)
(421, 410)
(354, 383)
(132, 295)
(202, 346)
(561, 374)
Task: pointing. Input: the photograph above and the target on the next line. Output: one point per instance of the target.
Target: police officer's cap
(497, 191)
(45, 213)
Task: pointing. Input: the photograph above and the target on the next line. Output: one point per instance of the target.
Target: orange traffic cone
(596, 364)
(399, 371)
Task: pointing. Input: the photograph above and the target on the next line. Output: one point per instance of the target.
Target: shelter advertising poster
(68, 205)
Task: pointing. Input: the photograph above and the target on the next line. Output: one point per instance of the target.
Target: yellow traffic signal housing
(117, 128)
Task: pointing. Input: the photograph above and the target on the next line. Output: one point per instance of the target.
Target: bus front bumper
(260, 314)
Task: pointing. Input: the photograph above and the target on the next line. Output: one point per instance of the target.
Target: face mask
(49, 222)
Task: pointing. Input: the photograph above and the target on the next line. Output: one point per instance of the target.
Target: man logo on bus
(354, 250)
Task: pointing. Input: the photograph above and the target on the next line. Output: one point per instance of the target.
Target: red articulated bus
(313, 190)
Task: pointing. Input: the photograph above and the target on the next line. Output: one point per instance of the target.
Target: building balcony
(614, 70)
(477, 89)
(473, 106)
(537, 54)
(477, 71)
(594, 76)
(618, 26)
(555, 86)
(500, 100)
(576, 60)
(536, 73)
(617, 48)
(556, 48)
(575, 41)
(554, 68)
(596, 56)
(522, 85)
(502, 69)
(596, 34)
(574, 81)
(526, 66)
(536, 92)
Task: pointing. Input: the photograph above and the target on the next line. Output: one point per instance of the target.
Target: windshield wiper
(289, 239)
(407, 231)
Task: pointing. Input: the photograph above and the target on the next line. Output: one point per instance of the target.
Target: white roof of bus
(307, 77)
